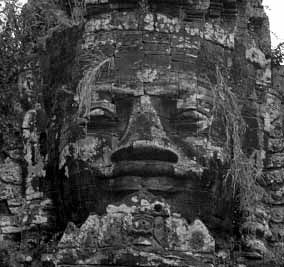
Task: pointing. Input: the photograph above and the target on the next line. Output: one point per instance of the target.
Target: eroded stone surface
(142, 230)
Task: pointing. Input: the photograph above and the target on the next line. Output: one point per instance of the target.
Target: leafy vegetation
(23, 29)
(12, 58)
(278, 55)
(244, 170)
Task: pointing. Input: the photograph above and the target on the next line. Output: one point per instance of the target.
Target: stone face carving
(147, 129)
(157, 117)
(152, 125)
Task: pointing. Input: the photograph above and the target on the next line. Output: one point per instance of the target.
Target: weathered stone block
(11, 172)
(132, 228)
(9, 191)
(275, 160)
(272, 178)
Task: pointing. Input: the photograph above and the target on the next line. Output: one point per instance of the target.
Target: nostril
(144, 154)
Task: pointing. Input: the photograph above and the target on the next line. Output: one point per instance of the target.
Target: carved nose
(144, 138)
(144, 151)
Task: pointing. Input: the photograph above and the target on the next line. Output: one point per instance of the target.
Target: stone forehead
(197, 4)
(189, 91)
(189, 10)
(149, 60)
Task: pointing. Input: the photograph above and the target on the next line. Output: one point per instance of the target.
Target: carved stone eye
(101, 118)
(192, 115)
(101, 107)
(97, 112)
(192, 120)
(100, 112)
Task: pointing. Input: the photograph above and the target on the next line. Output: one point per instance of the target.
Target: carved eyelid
(103, 106)
(201, 118)
(203, 112)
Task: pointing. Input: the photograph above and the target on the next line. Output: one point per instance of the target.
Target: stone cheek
(90, 149)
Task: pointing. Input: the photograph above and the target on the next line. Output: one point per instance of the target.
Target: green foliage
(40, 17)
(11, 52)
(278, 55)
(23, 31)
(12, 61)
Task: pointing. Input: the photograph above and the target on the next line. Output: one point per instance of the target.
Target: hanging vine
(88, 83)
(244, 170)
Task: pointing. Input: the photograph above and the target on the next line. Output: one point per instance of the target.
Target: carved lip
(152, 168)
(149, 175)
(137, 175)
(152, 184)
(144, 168)
(142, 151)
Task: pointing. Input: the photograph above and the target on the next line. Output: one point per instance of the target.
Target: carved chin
(141, 230)
(137, 183)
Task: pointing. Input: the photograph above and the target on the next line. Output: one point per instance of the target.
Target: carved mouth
(144, 152)
(136, 183)
(137, 175)
(143, 169)
(149, 175)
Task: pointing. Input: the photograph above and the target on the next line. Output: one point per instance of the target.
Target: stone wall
(272, 179)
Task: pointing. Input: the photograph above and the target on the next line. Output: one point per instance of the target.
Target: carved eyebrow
(114, 89)
(171, 89)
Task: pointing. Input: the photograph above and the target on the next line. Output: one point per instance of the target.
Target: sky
(275, 12)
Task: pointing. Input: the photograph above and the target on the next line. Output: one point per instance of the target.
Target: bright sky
(275, 11)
